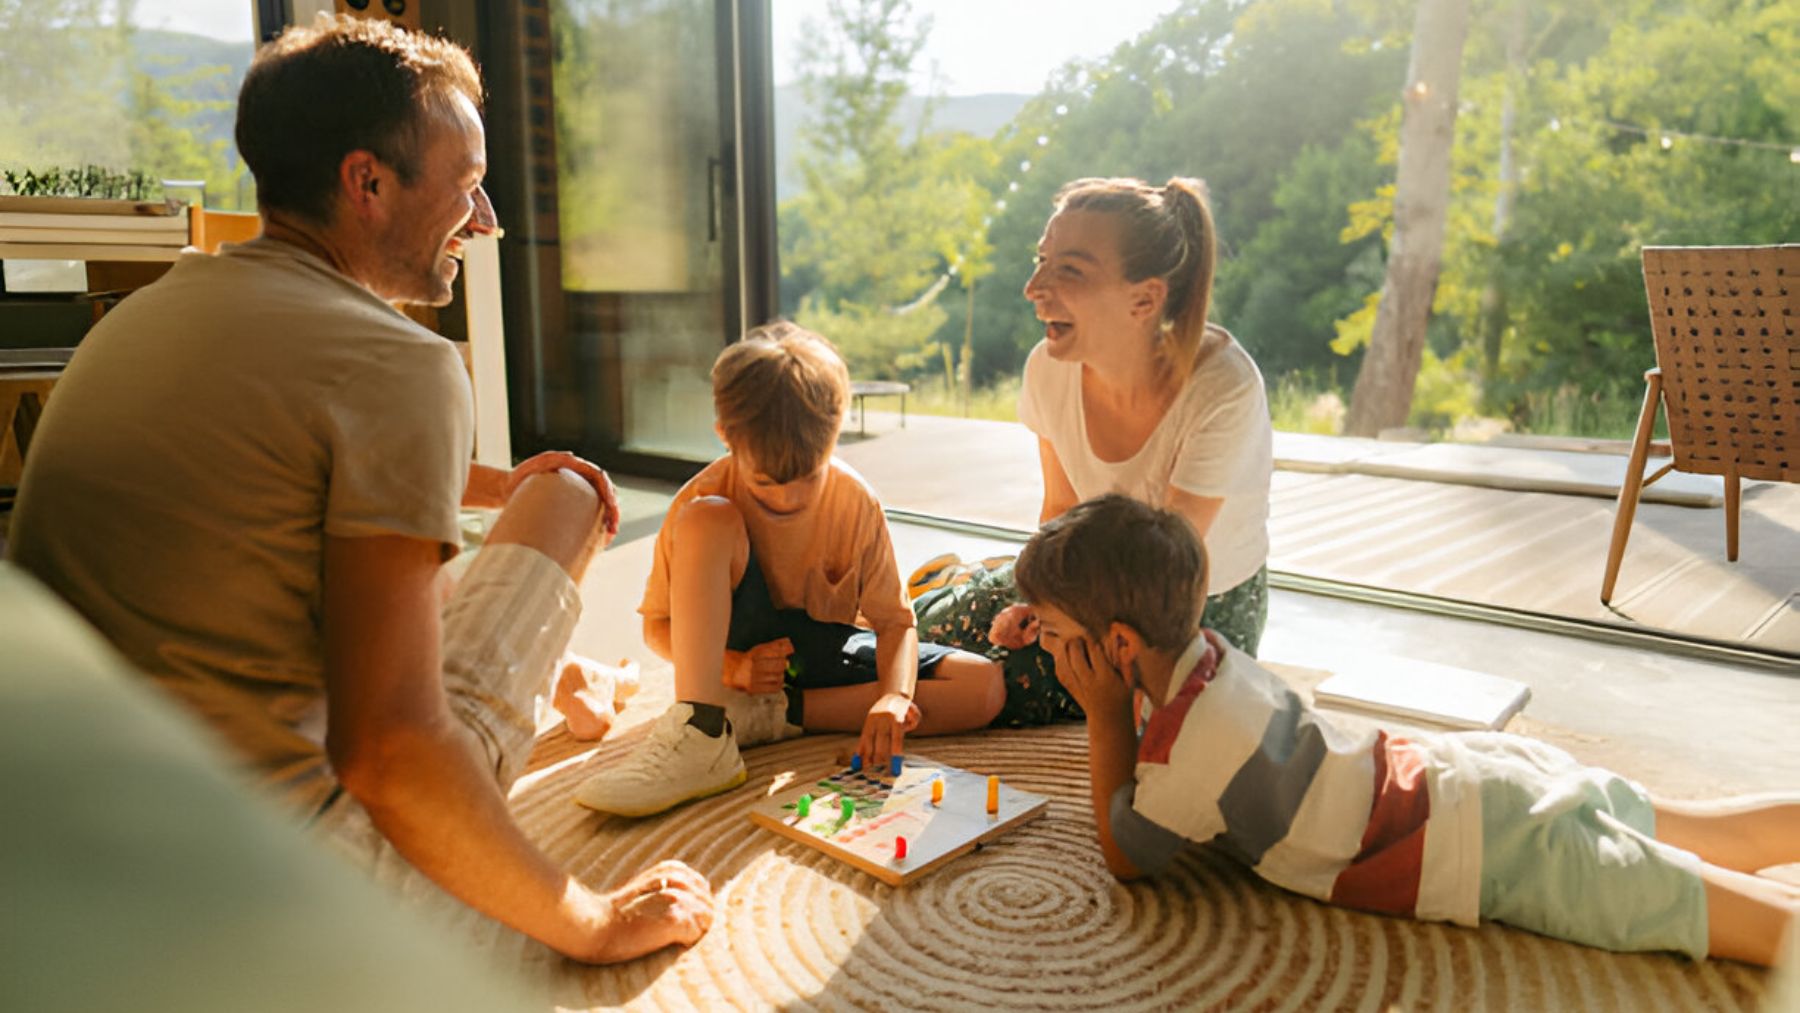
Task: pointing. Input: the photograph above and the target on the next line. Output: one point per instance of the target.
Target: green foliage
(83, 85)
(884, 219)
(85, 181)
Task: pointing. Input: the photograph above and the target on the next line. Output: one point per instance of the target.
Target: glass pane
(146, 88)
(645, 211)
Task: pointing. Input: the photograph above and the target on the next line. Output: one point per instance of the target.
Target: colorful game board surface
(862, 816)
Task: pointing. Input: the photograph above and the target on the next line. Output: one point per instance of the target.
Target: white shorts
(505, 625)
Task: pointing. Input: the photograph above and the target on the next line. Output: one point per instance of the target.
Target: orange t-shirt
(833, 558)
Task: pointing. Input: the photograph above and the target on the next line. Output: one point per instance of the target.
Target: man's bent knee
(554, 512)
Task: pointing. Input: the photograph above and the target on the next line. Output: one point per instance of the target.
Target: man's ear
(1123, 646)
(363, 182)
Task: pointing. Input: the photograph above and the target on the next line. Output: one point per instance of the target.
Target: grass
(1302, 403)
(998, 402)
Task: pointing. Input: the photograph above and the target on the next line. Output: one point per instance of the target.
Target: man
(249, 479)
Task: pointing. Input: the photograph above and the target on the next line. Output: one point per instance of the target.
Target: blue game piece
(856, 763)
(894, 764)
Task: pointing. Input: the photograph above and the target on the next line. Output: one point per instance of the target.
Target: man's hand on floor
(668, 904)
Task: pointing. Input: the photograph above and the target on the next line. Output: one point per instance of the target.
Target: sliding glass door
(615, 128)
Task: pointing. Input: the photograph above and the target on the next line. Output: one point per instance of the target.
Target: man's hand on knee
(551, 460)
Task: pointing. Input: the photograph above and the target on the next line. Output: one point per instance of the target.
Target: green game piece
(849, 808)
(805, 805)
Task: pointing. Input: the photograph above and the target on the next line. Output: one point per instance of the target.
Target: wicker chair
(1727, 325)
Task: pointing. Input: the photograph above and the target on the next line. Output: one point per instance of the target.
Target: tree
(1384, 385)
(880, 219)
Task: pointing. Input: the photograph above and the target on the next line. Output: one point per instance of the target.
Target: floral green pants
(959, 616)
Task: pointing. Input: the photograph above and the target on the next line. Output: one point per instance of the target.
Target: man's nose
(483, 222)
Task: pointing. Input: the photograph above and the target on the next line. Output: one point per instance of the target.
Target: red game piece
(899, 848)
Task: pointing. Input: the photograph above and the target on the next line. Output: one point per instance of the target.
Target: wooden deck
(1511, 548)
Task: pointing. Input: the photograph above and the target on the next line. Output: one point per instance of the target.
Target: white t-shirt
(208, 435)
(1214, 441)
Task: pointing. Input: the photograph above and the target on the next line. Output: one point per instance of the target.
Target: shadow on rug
(1033, 920)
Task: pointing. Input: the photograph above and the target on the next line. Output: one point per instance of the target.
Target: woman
(1133, 391)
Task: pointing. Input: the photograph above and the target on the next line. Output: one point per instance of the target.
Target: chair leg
(1631, 486)
(1731, 513)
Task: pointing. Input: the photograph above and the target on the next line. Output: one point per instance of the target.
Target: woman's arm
(1200, 511)
(1059, 493)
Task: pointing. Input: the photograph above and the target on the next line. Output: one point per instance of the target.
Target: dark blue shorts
(825, 654)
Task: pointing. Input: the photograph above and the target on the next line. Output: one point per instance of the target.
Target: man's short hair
(1114, 559)
(340, 85)
(779, 394)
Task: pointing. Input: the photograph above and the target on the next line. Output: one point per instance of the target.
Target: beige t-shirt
(834, 558)
(208, 435)
(1214, 441)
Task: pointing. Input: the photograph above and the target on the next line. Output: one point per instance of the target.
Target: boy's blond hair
(779, 395)
(1113, 559)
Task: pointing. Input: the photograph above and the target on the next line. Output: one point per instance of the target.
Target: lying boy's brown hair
(779, 395)
(1113, 559)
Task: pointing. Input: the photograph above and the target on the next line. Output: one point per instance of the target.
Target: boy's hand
(761, 669)
(884, 731)
(1089, 676)
(1014, 627)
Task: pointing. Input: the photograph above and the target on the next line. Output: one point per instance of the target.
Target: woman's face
(1080, 292)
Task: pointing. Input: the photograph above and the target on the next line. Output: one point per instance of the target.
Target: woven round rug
(1033, 920)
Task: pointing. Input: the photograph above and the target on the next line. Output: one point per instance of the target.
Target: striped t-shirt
(1234, 758)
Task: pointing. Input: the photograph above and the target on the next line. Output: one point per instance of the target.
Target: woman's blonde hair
(779, 395)
(1165, 232)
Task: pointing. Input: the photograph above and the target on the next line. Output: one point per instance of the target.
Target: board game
(862, 817)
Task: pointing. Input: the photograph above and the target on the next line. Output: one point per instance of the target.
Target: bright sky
(994, 45)
(978, 45)
(231, 20)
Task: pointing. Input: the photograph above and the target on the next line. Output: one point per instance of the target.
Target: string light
(1667, 138)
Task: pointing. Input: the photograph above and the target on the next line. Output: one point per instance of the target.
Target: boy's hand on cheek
(1084, 670)
(884, 731)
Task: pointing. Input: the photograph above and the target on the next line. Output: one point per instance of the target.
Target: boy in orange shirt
(775, 593)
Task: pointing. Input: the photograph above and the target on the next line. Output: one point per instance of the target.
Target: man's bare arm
(425, 783)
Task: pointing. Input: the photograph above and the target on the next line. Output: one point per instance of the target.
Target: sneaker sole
(736, 779)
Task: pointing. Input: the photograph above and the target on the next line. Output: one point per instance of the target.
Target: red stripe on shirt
(1164, 726)
(1384, 875)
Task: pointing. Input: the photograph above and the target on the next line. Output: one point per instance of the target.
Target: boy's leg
(707, 558)
(1747, 916)
(962, 693)
(511, 615)
(1746, 834)
(691, 752)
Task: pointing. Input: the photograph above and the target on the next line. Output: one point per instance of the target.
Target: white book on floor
(1425, 691)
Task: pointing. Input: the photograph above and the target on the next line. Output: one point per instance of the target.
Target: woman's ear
(1147, 299)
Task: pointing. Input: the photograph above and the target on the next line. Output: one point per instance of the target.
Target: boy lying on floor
(1451, 827)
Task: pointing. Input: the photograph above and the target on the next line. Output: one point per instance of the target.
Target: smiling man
(249, 480)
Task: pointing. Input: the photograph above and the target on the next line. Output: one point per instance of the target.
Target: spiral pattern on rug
(1034, 921)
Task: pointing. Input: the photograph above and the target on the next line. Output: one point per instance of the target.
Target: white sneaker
(759, 718)
(677, 763)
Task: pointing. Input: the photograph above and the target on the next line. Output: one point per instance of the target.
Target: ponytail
(1191, 279)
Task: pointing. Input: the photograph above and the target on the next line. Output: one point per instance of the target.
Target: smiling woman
(1131, 391)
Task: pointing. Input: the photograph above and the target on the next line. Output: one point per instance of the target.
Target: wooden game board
(886, 808)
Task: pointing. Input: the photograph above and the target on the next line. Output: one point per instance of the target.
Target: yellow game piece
(937, 791)
(993, 793)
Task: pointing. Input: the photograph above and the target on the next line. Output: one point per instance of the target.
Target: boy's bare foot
(589, 694)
